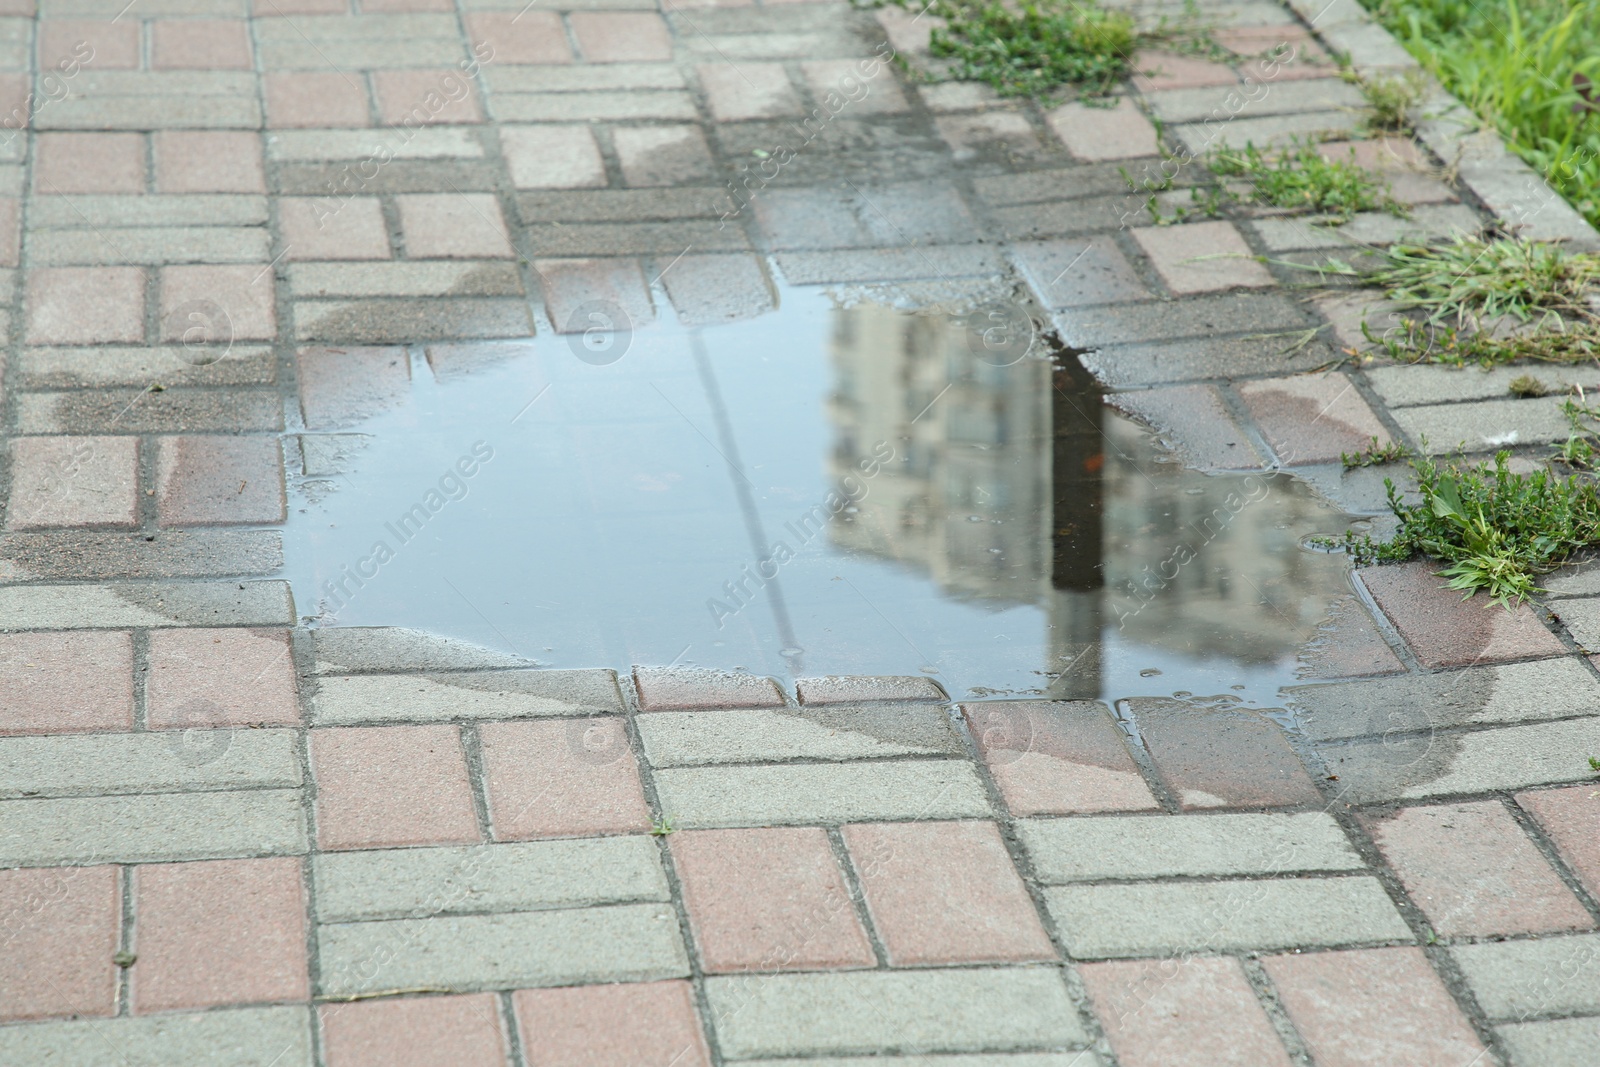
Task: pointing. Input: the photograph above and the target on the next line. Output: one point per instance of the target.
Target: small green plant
(1578, 451)
(1031, 48)
(1207, 201)
(1527, 386)
(1495, 530)
(1472, 278)
(1391, 98)
(662, 827)
(1300, 177)
(1374, 454)
(1594, 764)
(1421, 342)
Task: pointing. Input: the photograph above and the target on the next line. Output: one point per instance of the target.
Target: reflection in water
(825, 489)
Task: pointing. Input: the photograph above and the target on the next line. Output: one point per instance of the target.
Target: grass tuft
(1527, 386)
(1375, 454)
(1299, 177)
(1471, 279)
(1391, 99)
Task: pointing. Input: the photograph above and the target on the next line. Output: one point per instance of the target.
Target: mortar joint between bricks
(1553, 855)
(1267, 995)
(856, 891)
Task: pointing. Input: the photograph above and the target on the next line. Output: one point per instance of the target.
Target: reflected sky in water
(820, 490)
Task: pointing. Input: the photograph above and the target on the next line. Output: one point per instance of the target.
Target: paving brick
(869, 86)
(718, 288)
(1005, 134)
(1312, 418)
(60, 555)
(199, 44)
(696, 738)
(208, 161)
(665, 689)
(113, 45)
(391, 785)
(221, 932)
(137, 365)
(340, 387)
(388, 648)
(1104, 921)
(170, 826)
(66, 682)
(453, 226)
(456, 697)
(217, 480)
(1551, 1043)
(627, 943)
(317, 230)
(878, 265)
(941, 97)
(748, 91)
(768, 900)
(1485, 426)
(1174, 1013)
(61, 929)
(1544, 976)
(169, 411)
(1163, 846)
(254, 1037)
(1057, 757)
(1443, 630)
(867, 689)
(598, 106)
(1473, 872)
(1347, 645)
(525, 37)
(1079, 273)
(407, 278)
(592, 1026)
(1266, 131)
(1219, 106)
(553, 779)
(942, 1010)
(150, 245)
(1408, 386)
(414, 1032)
(79, 764)
(1410, 176)
(662, 155)
(218, 303)
(1195, 423)
(1156, 71)
(805, 793)
(662, 240)
(1568, 818)
(73, 481)
(410, 98)
(409, 883)
(1502, 693)
(85, 305)
(225, 677)
(1285, 53)
(315, 100)
(1093, 134)
(422, 143)
(89, 163)
(552, 157)
(172, 211)
(621, 36)
(409, 321)
(1373, 1005)
(71, 607)
(1202, 257)
(945, 892)
(1221, 757)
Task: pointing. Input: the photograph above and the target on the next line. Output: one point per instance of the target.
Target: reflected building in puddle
(1015, 486)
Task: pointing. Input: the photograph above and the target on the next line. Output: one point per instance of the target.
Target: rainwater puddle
(826, 489)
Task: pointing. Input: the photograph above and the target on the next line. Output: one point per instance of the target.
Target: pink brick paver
(1445, 630)
(621, 36)
(1082, 273)
(61, 930)
(528, 37)
(73, 481)
(1057, 759)
(1096, 134)
(208, 161)
(1196, 1011)
(218, 303)
(553, 156)
(667, 689)
(1474, 873)
(1158, 70)
(1383, 1005)
(85, 305)
(662, 155)
(748, 91)
(100, 44)
(945, 892)
(316, 100)
(570, 284)
(1222, 757)
(66, 682)
(1202, 257)
(869, 87)
(634, 1025)
(562, 777)
(426, 97)
(383, 786)
(315, 228)
(1570, 817)
(768, 900)
(453, 225)
(199, 44)
(1312, 418)
(218, 932)
(89, 163)
(220, 677)
(341, 386)
(216, 480)
(415, 1032)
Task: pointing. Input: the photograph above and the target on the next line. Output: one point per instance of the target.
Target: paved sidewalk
(226, 838)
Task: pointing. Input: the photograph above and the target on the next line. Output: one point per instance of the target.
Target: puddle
(826, 489)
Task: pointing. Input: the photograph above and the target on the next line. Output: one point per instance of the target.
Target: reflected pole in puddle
(791, 650)
(1077, 572)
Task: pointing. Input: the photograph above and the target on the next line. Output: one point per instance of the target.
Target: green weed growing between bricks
(1299, 177)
